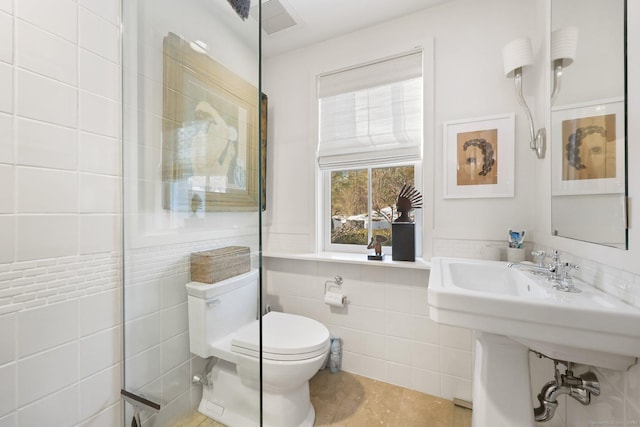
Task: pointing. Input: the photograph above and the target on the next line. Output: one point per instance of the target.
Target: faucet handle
(539, 257)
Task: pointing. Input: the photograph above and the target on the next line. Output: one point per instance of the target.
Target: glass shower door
(191, 183)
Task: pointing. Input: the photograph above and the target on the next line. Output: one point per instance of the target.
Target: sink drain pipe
(579, 387)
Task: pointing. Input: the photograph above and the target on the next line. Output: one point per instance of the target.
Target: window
(370, 145)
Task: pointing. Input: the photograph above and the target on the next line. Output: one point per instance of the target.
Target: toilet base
(236, 403)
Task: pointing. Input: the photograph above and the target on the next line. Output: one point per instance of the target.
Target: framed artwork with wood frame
(588, 148)
(479, 157)
(210, 134)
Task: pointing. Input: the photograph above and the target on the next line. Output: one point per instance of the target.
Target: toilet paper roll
(335, 299)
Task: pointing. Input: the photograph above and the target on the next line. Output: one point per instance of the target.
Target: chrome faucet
(558, 271)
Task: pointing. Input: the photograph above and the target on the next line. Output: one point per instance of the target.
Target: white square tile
(8, 390)
(112, 416)
(419, 301)
(98, 35)
(45, 327)
(99, 154)
(40, 375)
(7, 189)
(46, 236)
(372, 345)
(173, 289)
(399, 375)
(45, 99)
(47, 191)
(99, 115)
(59, 17)
(141, 300)
(426, 381)
(45, 145)
(59, 409)
(10, 420)
(141, 334)
(99, 312)
(398, 325)
(99, 234)
(6, 138)
(143, 368)
(6, 5)
(175, 351)
(369, 319)
(109, 10)
(45, 53)
(425, 330)
(176, 382)
(397, 350)
(6, 88)
(457, 363)
(98, 75)
(454, 387)
(8, 334)
(175, 320)
(375, 368)
(425, 356)
(99, 194)
(100, 391)
(398, 298)
(7, 231)
(460, 338)
(100, 351)
(6, 37)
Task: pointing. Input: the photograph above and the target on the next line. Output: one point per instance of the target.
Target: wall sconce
(564, 43)
(516, 55)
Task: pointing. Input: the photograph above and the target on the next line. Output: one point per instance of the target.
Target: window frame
(326, 218)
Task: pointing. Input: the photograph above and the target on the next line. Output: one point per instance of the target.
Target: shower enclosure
(191, 183)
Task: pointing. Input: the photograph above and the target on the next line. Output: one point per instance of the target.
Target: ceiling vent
(274, 16)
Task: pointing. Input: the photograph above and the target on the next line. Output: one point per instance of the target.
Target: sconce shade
(564, 43)
(516, 54)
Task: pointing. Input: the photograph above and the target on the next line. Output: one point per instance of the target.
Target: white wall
(469, 83)
(60, 266)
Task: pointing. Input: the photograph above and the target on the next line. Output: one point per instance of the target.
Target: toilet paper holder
(335, 283)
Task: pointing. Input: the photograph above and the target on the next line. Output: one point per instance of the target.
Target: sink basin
(513, 311)
(589, 327)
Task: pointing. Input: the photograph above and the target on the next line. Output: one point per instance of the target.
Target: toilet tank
(219, 309)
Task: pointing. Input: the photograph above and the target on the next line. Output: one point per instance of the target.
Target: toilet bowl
(223, 325)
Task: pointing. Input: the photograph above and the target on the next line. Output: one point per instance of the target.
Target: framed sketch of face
(210, 133)
(588, 144)
(478, 156)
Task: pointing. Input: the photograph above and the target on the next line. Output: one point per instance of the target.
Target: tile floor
(346, 399)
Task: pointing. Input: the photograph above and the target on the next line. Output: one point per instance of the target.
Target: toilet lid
(284, 337)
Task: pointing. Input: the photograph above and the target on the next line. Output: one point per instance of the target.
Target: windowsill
(350, 258)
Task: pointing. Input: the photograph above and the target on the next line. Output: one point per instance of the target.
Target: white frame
(587, 186)
(326, 208)
(505, 124)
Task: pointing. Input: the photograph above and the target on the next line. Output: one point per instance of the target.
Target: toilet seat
(285, 337)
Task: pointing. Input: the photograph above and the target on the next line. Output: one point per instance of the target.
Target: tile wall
(60, 268)
(385, 328)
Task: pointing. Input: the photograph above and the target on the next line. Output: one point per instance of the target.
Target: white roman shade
(371, 113)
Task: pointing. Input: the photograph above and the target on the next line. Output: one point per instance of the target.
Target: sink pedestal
(501, 383)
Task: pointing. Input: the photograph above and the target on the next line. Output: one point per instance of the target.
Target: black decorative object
(376, 244)
(403, 240)
(241, 7)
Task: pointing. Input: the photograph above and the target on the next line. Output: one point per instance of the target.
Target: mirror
(587, 129)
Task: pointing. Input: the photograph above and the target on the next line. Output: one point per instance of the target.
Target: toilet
(223, 327)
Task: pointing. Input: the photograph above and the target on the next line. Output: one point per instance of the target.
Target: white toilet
(222, 323)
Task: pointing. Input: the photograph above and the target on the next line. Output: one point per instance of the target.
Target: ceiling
(307, 22)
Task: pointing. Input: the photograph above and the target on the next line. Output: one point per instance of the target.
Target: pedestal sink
(514, 311)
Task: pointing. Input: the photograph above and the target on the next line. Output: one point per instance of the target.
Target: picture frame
(210, 134)
(479, 157)
(598, 125)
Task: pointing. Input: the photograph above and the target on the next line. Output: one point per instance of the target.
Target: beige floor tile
(349, 400)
